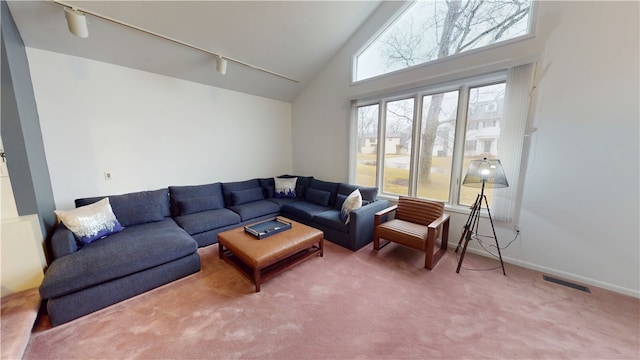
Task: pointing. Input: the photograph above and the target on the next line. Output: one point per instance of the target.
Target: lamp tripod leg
(472, 222)
(495, 237)
(469, 225)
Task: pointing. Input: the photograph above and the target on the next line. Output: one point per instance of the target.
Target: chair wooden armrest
(432, 258)
(439, 221)
(382, 213)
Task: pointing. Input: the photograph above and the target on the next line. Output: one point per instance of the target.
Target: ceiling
(292, 38)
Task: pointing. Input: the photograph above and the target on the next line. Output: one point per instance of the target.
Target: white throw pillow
(352, 202)
(285, 187)
(90, 222)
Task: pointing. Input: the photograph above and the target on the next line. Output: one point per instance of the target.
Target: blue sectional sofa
(164, 228)
(206, 210)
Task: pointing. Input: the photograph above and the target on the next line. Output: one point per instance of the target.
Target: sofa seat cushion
(331, 219)
(282, 201)
(134, 249)
(303, 209)
(207, 220)
(255, 209)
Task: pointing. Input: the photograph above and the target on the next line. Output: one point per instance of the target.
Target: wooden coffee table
(260, 260)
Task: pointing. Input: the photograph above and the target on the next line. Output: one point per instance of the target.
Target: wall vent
(566, 283)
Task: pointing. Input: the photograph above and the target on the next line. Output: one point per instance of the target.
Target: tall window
(367, 145)
(485, 108)
(437, 138)
(397, 145)
(428, 138)
(430, 30)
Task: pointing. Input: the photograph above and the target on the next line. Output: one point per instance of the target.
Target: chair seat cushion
(405, 233)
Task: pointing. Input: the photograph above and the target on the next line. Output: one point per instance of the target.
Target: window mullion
(415, 145)
(458, 145)
(382, 123)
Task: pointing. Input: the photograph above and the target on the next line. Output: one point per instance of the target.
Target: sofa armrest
(361, 222)
(63, 242)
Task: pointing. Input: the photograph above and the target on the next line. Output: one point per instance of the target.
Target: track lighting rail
(218, 57)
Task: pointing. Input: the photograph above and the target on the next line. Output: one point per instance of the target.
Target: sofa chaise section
(152, 250)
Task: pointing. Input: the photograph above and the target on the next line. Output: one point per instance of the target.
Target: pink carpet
(355, 305)
(19, 313)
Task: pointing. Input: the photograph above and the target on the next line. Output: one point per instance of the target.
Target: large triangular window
(429, 30)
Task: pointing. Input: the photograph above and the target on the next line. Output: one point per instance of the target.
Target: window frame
(531, 33)
(463, 86)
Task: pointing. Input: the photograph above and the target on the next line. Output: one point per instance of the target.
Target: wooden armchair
(417, 224)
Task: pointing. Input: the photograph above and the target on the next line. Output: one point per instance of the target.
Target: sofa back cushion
(239, 197)
(191, 199)
(369, 194)
(137, 207)
(269, 187)
(229, 187)
(319, 197)
(196, 205)
(330, 187)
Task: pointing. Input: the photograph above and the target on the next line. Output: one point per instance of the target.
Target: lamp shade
(77, 23)
(487, 172)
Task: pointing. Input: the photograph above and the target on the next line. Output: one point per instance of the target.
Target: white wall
(149, 131)
(579, 210)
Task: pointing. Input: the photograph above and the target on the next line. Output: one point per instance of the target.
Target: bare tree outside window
(430, 30)
(397, 146)
(367, 145)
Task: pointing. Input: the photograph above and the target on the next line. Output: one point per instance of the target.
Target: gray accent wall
(20, 128)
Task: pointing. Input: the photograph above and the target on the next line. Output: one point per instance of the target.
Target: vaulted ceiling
(292, 38)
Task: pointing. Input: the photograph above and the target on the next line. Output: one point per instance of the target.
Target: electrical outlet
(517, 228)
(107, 175)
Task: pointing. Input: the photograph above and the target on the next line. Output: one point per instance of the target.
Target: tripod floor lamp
(481, 173)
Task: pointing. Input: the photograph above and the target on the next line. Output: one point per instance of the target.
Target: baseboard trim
(558, 273)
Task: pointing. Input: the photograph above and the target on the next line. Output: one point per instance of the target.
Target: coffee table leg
(321, 247)
(220, 250)
(256, 278)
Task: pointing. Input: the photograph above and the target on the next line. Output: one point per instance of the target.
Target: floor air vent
(566, 283)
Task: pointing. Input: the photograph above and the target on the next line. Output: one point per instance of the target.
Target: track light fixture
(221, 65)
(78, 26)
(77, 22)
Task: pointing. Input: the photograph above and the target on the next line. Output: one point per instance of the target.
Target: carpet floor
(355, 305)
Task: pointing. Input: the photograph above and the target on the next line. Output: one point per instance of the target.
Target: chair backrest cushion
(419, 211)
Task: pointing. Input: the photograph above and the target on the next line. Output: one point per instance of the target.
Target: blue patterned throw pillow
(90, 222)
(285, 188)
